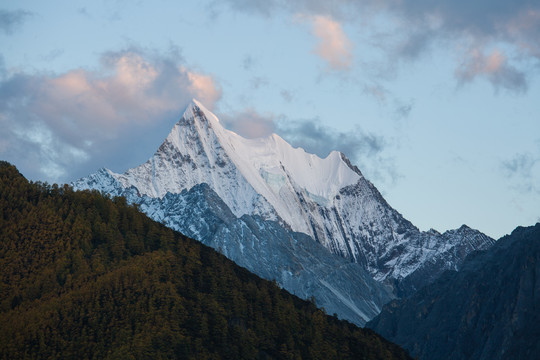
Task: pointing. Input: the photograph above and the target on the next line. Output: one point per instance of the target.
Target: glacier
(317, 226)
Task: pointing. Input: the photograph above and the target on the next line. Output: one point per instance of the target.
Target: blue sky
(437, 102)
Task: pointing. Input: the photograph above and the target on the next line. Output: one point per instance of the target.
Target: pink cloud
(480, 64)
(406, 29)
(63, 118)
(203, 88)
(333, 46)
(493, 66)
(250, 124)
(129, 92)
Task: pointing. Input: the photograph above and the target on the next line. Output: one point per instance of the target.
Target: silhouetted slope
(83, 276)
(490, 309)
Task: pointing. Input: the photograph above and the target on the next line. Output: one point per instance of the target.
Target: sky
(437, 102)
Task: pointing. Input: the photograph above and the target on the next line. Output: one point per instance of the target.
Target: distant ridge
(489, 310)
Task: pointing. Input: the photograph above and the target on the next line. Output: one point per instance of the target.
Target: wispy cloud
(10, 20)
(384, 97)
(494, 67)
(248, 62)
(523, 169)
(412, 28)
(258, 82)
(286, 95)
(333, 46)
(53, 122)
(315, 137)
(521, 165)
(2, 67)
(365, 149)
(249, 123)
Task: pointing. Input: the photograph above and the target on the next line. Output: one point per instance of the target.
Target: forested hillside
(84, 276)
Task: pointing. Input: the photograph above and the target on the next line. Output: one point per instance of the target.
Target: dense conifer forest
(88, 277)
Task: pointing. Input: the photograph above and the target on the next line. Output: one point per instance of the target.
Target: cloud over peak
(249, 123)
(365, 149)
(53, 121)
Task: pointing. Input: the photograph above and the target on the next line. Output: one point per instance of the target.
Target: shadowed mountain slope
(84, 276)
(261, 197)
(490, 309)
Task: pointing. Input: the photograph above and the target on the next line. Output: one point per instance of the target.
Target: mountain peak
(267, 179)
(265, 176)
(195, 109)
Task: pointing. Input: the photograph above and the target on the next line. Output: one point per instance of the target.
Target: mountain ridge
(489, 309)
(327, 199)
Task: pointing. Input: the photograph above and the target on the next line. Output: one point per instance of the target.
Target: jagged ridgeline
(489, 310)
(317, 226)
(84, 276)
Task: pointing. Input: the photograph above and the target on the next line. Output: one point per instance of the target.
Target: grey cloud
(403, 110)
(248, 62)
(415, 44)
(495, 68)
(510, 78)
(521, 165)
(320, 139)
(483, 18)
(420, 23)
(60, 125)
(250, 124)
(286, 95)
(384, 96)
(377, 91)
(258, 82)
(11, 20)
(53, 54)
(485, 24)
(83, 11)
(366, 150)
(265, 8)
(33, 148)
(2, 67)
(338, 8)
(523, 172)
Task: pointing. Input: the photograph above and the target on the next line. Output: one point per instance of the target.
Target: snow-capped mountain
(328, 200)
(266, 248)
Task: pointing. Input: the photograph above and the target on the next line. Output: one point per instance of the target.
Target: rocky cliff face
(328, 200)
(490, 309)
(266, 248)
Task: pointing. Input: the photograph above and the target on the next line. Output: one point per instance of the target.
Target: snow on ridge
(268, 177)
(271, 154)
(321, 177)
(281, 174)
(261, 176)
